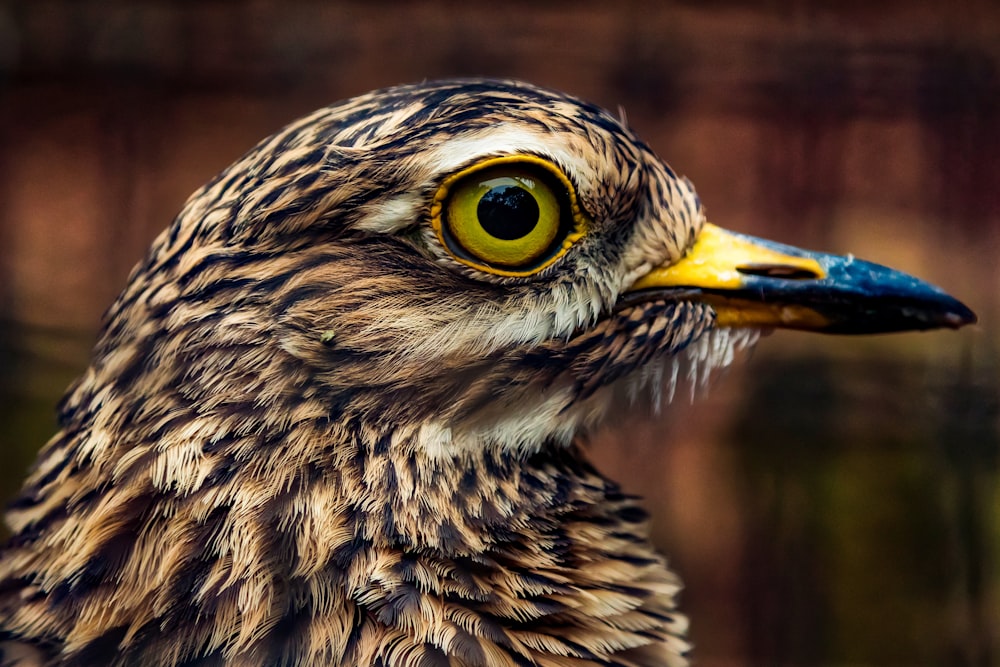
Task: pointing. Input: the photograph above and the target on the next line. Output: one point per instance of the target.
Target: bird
(337, 416)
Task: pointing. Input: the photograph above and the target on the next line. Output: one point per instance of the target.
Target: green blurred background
(830, 501)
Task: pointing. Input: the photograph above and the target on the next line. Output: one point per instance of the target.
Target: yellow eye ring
(509, 216)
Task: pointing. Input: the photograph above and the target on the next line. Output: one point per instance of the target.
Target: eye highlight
(509, 216)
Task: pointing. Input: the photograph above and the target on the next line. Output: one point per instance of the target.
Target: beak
(751, 282)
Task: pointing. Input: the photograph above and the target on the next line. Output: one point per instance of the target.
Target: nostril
(782, 271)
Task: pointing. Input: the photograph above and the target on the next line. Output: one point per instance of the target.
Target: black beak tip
(932, 310)
(958, 316)
(877, 299)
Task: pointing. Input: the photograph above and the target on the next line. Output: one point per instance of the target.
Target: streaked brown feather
(243, 475)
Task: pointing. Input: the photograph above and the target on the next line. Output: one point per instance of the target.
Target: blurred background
(830, 501)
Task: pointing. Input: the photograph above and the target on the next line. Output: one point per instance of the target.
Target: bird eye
(505, 217)
(508, 216)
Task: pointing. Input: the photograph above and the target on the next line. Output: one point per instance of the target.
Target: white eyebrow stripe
(507, 139)
(395, 213)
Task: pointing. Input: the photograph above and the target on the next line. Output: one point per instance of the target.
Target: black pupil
(508, 212)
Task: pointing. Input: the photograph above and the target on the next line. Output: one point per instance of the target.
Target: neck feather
(361, 550)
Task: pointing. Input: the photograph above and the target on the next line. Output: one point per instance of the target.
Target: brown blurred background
(830, 502)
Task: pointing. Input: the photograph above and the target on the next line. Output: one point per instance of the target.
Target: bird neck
(335, 543)
(467, 504)
(222, 505)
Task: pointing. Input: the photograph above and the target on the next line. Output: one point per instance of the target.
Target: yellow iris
(509, 215)
(505, 216)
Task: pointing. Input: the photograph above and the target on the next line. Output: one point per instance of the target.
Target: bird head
(481, 264)
(327, 420)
